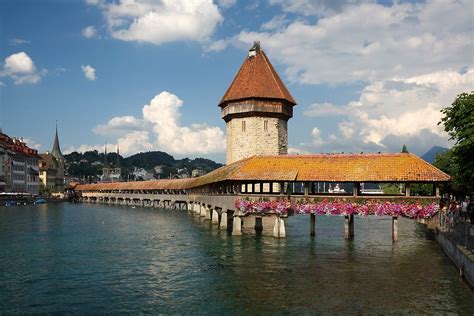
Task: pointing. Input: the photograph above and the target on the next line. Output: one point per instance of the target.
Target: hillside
(90, 164)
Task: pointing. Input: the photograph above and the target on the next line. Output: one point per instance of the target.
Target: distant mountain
(430, 155)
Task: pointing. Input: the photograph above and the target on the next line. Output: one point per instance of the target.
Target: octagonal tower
(256, 109)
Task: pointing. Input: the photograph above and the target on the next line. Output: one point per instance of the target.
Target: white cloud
(18, 41)
(316, 7)
(120, 124)
(217, 45)
(95, 2)
(89, 72)
(32, 143)
(275, 23)
(159, 22)
(324, 110)
(316, 134)
(389, 114)
(163, 113)
(2, 84)
(85, 147)
(135, 142)
(90, 32)
(160, 129)
(226, 3)
(21, 69)
(398, 41)
(297, 151)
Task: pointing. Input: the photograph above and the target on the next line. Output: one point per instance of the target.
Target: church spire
(56, 152)
(118, 157)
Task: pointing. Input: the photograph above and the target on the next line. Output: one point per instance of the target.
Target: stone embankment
(456, 239)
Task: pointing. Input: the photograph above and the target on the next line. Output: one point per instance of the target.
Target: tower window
(243, 126)
(265, 125)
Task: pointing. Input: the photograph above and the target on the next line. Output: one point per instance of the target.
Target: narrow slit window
(243, 126)
(265, 125)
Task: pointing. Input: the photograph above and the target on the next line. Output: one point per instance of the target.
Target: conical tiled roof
(257, 79)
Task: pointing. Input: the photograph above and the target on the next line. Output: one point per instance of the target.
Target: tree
(458, 121)
(404, 149)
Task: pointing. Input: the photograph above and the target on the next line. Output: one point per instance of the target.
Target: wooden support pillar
(223, 223)
(282, 188)
(394, 228)
(348, 226)
(312, 225)
(436, 190)
(279, 228)
(237, 226)
(258, 224)
(407, 189)
(215, 216)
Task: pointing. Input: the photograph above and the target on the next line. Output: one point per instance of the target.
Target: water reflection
(94, 259)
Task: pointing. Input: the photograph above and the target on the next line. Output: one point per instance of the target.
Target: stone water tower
(256, 109)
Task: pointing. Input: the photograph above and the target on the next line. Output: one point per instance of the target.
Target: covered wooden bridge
(260, 192)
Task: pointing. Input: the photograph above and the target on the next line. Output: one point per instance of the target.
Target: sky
(368, 76)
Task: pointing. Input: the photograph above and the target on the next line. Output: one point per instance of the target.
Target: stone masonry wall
(255, 140)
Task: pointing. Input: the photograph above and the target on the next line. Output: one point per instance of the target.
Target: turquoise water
(106, 259)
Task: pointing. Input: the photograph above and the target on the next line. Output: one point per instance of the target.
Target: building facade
(19, 166)
(256, 108)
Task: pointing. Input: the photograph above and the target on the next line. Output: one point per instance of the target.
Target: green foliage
(390, 188)
(458, 121)
(404, 149)
(422, 189)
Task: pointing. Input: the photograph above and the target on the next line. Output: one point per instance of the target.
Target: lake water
(108, 259)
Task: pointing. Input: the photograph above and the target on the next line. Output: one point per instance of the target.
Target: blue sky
(368, 76)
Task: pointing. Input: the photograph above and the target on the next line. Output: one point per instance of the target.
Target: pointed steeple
(56, 152)
(105, 155)
(118, 157)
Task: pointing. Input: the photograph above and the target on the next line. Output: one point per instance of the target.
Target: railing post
(306, 188)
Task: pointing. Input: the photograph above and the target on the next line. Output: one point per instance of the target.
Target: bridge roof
(173, 184)
(399, 167)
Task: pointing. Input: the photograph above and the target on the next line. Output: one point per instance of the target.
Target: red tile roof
(399, 167)
(257, 79)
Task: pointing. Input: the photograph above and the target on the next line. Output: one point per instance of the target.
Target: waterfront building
(256, 108)
(19, 166)
(197, 173)
(52, 169)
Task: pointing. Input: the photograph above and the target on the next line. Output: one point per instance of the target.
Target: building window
(265, 125)
(243, 126)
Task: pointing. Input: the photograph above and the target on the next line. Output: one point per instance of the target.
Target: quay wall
(459, 255)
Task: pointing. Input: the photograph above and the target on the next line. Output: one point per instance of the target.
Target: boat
(40, 201)
(10, 203)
